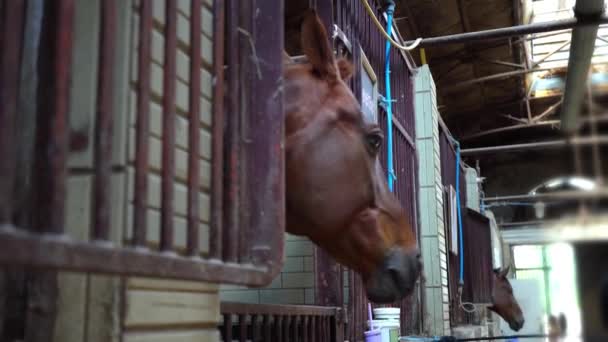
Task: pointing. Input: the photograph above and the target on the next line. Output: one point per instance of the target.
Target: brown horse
(503, 301)
(336, 190)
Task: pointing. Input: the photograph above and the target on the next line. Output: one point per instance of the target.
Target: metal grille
(476, 232)
(247, 218)
(352, 19)
(263, 322)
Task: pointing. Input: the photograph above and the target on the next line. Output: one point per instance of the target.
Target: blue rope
(461, 242)
(389, 107)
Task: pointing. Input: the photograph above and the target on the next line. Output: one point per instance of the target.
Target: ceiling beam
(535, 146)
(508, 74)
(513, 31)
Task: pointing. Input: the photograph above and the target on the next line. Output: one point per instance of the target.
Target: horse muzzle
(395, 278)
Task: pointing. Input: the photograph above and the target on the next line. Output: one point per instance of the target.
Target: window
(369, 91)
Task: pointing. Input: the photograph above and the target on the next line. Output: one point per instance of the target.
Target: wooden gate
(38, 139)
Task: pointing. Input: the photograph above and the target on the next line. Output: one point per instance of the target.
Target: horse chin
(383, 290)
(515, 326)
(395, 279)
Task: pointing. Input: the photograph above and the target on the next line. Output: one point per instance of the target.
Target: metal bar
(248, 92)
(142, 125)
(279, 327)
(548, 111)
(217, 158)
(494, 77)
(242, 328)
(255, 328)
(18, 247)
(266, 177)
(168, 158)
(306, 330)
(562, 195)
(553, 52)
(513, 65)
(10, 57)
(287, 328)
(194, 131)
(104, 124)
(513, 31)
(26, 120)
(230, 234)
(53, 148)
(579, 61)
(597, 159)
(266, 323)
(554, 144)
(328, 276)
(228, 327)
(403, 132)
(511, 128)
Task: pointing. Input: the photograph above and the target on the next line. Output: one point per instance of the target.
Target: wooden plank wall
(105, 308)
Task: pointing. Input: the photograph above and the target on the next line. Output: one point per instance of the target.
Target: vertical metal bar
(295, 330)
(51, 162)
(279, 328)
(194, 129)
(287, 328)
(266, 178)
(168, 168)
(104, 124)
(142, 125)
(255, 327)
(313, 328)
(231, 202)
(305, 328)
(249, 91)
(228, 327)
(26, 121)
(55, 123)
(328, 280)
(217, 159)
(267, 329)
(10, 57)
(242, 328)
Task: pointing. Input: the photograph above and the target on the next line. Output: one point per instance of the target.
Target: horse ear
(345, 67)
(315, 44)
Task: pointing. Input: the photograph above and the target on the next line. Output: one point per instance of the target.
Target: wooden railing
(264, 322)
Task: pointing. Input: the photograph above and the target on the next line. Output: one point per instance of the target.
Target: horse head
(503, 301)
(336, 191)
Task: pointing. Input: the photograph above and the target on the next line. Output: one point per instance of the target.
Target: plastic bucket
(373, 336)
(389, 328)
(387, 313)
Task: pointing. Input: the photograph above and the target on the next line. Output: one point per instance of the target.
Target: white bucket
(389, 328)
(387, 313)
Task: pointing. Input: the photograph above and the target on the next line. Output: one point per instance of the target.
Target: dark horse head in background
(503, 301)
(336, 190)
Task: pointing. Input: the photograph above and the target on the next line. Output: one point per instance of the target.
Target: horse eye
(374, 141)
